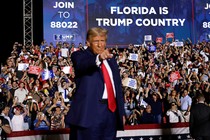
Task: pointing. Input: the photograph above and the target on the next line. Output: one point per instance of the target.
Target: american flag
(178, 131)
(46, 74)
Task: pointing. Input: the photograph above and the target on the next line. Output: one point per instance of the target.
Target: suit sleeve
(83, 62)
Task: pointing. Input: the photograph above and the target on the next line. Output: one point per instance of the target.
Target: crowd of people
(159, 85)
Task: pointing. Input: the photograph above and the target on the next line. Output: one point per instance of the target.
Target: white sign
(22, 66)
(179, 44)
(133, 57)
(130, 82)
(148, 38)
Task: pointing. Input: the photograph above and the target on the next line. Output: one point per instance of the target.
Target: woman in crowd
(174, 114)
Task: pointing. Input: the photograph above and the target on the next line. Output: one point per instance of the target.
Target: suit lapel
(110, 62)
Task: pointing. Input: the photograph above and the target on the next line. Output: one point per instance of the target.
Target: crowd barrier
(178, 131)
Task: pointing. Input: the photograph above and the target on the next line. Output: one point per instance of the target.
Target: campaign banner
(64, 21)
(127, 21)
(201, 23)
(159, 40)
(34, 70)
(174, 76)
(169, 35)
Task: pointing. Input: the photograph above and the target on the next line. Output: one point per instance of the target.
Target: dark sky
(12, 25)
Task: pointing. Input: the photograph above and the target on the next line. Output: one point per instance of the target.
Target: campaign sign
(159, 40)
(34, 70)
(22, 66)
(64, 21)
(127, 21)
(133, 57)
(130, 82)
(67, 69)
(169, 35)
(174, 76)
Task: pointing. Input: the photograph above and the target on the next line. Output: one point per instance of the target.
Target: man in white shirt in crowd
(186, 102)
(21, 92)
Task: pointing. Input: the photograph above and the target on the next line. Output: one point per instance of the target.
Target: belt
(104, 101)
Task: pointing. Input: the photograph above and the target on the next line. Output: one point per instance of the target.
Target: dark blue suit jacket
(200, 120)
(89, 89)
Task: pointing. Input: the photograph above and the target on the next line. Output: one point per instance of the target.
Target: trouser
(158, 118)
(104, 128)
(202, 138)
(186, 117)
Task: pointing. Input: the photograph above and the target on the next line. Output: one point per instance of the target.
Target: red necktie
(110, 90)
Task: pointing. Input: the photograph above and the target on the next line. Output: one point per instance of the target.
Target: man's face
(185, 93)
(6, 110)
(54, 69)
(97, 44)
(21, 85)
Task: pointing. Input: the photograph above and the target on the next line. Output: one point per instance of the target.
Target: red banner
(169, 35)
(34, 70)
(174, 76)
(159, 40)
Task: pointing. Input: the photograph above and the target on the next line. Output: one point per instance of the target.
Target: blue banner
(202, 20)
(64, 20)
(127, 21)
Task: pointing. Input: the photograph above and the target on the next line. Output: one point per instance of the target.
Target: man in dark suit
(200, 120)
(91, 117)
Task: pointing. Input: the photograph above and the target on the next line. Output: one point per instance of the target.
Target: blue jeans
(158, 118)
